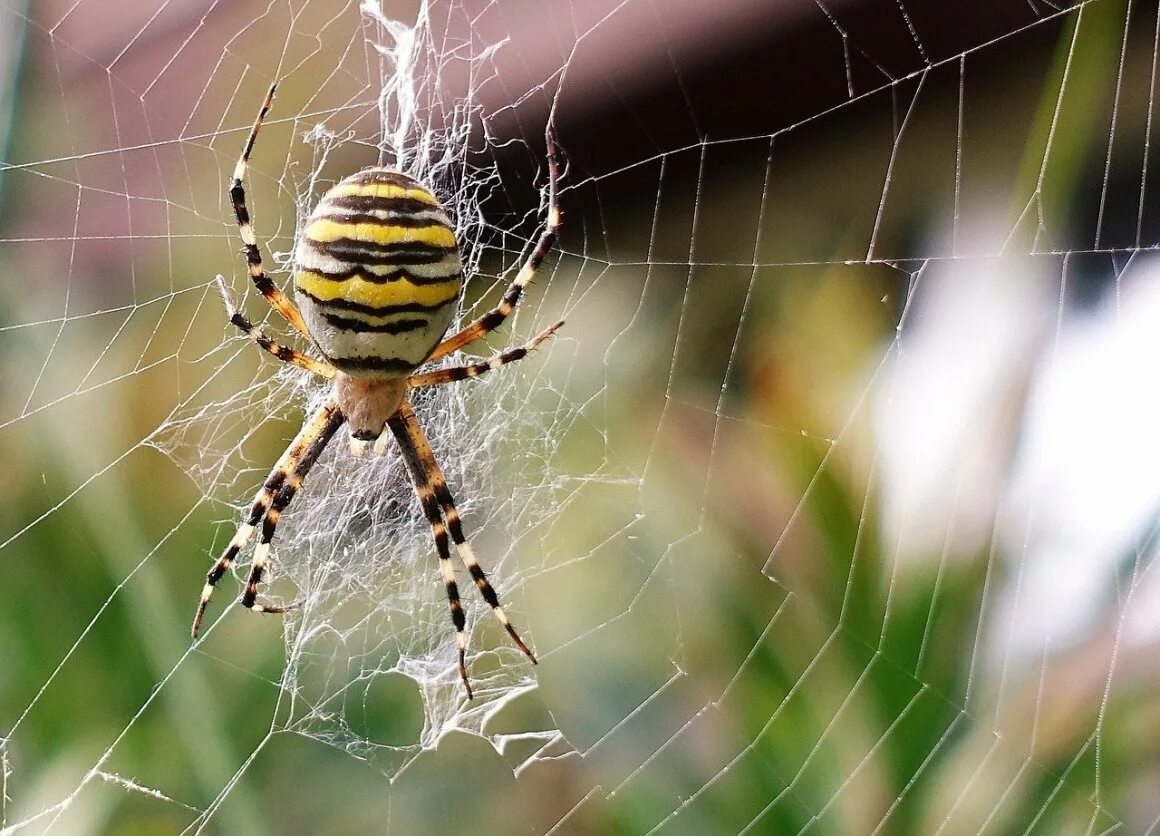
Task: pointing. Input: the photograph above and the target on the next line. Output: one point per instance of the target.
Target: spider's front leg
(435, 497)
(277, 492)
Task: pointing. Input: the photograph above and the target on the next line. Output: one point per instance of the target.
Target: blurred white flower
(1006, 417)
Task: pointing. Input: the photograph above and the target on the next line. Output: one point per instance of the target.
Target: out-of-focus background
(843, 476)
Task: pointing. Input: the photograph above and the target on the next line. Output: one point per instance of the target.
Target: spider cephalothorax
(377, 277)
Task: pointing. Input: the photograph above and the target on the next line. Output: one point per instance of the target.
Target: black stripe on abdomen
(391, 365)
(402, 274)
(366, 204)
(342, 216)
(400, 253)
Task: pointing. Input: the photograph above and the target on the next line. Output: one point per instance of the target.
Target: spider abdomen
(377, 273)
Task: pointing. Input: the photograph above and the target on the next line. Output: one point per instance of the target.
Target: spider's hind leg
(511, 297)
(285, 353)
(278, 300)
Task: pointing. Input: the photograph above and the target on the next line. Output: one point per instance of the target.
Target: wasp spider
(377, 275)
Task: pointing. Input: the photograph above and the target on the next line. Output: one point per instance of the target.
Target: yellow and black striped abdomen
(377, 273)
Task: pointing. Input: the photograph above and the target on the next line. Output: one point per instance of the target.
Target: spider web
(833, 506)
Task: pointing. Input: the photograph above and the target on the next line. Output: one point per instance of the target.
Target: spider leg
(265, 285)
(285, 353)
(426, 493)
(279, 488)
(421, 461)
(511, 297)
(454, 373)
(327, 421)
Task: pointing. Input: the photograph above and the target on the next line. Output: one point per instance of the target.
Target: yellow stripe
(385, 190)
(362, 292)
(324, 231)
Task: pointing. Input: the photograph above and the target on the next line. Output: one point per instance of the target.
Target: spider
(377, 274)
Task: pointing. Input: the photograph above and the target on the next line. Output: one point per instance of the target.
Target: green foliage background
(756, 599)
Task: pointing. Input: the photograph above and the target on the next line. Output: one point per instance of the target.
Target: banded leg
(511, 297)
(425, 492)
(278, 300)
(330, 418)
(288, 464)
(415, 446)
(454, 373)
(285, 353)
